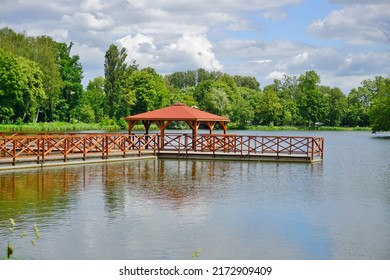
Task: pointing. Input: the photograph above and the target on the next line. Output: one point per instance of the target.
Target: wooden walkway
(16, 150)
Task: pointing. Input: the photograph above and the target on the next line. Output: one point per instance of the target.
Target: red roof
(177, 112)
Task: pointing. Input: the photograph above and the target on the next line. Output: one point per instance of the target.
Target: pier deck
(39, 150)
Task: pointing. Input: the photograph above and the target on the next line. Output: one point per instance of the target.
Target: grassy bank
(69, 127)
(321, 128)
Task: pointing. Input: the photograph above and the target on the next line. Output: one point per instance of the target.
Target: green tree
(185, 95)
(216, 101)
(43, 51)
(115, 77)
(269, 108)
(358, 104)
(149, 89)
(92, 101)
(20, 88)
(379, 110)
(181, 79)
(311, 101)
(247, 81)
(242, 112)
(72, 74)
(338, 105)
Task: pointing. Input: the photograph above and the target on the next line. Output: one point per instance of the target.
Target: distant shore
(69, 127)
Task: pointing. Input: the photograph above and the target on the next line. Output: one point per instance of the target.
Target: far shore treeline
(41, 82)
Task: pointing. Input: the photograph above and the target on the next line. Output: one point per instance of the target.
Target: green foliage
(379, 110)
(21, 88)
(40, 81)
(149, 89)
(115, 70)
(71, 94)
(269, 109)
(311, 101)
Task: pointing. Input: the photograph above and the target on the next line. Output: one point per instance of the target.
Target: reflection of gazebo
(178, 112)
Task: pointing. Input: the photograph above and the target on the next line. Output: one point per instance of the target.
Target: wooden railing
(244, 145)
(68, 146)
(40, 148)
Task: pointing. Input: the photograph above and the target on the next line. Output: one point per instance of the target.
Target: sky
(344, 41)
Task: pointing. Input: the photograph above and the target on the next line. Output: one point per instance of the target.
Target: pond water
(168, 209)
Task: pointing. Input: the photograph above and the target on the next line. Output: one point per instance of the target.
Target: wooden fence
(246, 145)
(66, 146)
(40, 148)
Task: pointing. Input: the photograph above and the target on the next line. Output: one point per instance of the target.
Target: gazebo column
(162, 125)
(147, 126)
(194, 126)
(223, 126)
(131, 125)
(210, 125)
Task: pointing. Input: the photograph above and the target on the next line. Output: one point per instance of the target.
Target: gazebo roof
(177, 112)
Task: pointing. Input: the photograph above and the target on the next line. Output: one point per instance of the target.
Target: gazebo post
(194, 126)
(147, 126)
(223, 126)
(162, 125)
(210, 125)
(131, 124)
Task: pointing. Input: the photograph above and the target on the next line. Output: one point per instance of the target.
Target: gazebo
(177, 112)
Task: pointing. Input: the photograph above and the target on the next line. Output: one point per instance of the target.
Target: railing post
(307, 147)
(43, 150)
(14, 152)
(186, 142)
(84, 147)
(312, 149)
(38, 149)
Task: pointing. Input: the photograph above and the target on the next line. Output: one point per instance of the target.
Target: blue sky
(344, 41)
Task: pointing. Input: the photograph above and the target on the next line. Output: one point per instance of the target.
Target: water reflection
(166, 209)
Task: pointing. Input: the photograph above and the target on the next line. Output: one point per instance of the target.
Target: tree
(43, 51)
(311, 101)
(21, 88)
(337, 105)
(93, 99)
(358, 104)
(72, 74)
(149, 89)
(241, 112)
(246, 81)
(115, 74)
(379, 110)
(269, 108)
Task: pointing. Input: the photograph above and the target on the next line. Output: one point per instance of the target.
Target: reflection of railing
(66, 146)
(245, 145)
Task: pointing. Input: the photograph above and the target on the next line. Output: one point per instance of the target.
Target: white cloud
(275, 75)
(94, 5)
(355, 24)
(141, 48)
(98, 21)
(219, 35)
(197, 49)
(262, 61)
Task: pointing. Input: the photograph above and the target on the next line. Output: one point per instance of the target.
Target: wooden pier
(38, 150)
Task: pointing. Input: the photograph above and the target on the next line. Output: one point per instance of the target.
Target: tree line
(40, 81)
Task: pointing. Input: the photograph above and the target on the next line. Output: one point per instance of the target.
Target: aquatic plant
(11, 229)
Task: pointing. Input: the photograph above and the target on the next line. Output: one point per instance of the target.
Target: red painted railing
(245, 145)
(39, 148)
(66, 146)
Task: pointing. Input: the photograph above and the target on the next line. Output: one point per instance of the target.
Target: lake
(168, 209)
